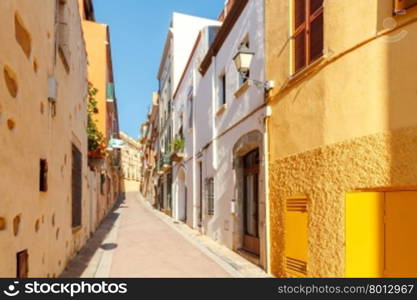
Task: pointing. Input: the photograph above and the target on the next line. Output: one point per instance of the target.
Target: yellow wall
(37, 135)
(346, 123)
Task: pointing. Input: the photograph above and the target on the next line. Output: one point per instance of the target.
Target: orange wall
(95, 35)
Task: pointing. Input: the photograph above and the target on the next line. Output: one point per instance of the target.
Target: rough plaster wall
(384, 161)
(37, 135)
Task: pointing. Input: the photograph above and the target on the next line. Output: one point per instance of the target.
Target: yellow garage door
(365, 235)
(401, 234)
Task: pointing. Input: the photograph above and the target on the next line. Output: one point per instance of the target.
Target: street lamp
(243, 60)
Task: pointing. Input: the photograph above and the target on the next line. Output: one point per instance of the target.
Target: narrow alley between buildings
(137, 241)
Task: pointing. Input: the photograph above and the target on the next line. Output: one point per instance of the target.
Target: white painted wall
(218, 158)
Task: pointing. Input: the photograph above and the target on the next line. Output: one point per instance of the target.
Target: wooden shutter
(300, 34)
(43, 175)
(22, 268)
(76, 186)
(316, 30)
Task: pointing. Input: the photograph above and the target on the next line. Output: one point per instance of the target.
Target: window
(210, 196)
(76, 186)
(402, 5)
(190, 107)
(22, 267)
(222, 90)
(43, 175)
(296, 236)
(308, 32)
(103, 181)
(62, 32)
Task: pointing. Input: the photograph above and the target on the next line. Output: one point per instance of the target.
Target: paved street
(134, 242)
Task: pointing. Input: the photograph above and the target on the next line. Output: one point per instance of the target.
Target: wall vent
(296, 266)
(297, 204)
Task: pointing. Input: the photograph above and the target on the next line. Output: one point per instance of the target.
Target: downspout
(268, 114)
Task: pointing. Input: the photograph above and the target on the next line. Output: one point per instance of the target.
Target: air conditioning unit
(52, 89)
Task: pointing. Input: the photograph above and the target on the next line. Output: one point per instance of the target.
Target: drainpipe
(267, 196)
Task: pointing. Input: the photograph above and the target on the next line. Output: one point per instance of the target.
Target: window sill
(221, 110)
(306, 70)
(243, 88)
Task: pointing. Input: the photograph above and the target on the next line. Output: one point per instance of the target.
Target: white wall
(218, 158)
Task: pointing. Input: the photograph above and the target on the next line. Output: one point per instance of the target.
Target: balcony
(166, 163)
(177, 147)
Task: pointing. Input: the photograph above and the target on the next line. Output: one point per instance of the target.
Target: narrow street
(133, 241)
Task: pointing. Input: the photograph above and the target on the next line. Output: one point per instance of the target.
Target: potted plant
(96, 144)
(177, 147)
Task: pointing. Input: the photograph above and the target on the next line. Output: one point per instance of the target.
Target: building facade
(150, 148)
(211, 136)
(131, 163)
(181, 37)
(104, 162)
(44, 208)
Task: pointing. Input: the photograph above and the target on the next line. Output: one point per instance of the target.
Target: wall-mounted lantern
(243, 61)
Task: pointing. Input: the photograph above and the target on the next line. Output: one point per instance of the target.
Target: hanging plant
(96, 148)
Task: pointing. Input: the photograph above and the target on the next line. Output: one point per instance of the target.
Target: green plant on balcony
(177, 148)
(96, 148)
(178, 145)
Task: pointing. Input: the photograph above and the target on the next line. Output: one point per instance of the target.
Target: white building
(220, 185)
(182, 34)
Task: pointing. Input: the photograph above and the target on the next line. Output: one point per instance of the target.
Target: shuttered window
(402, 5)
(43, 175)
(210, 196)
(76, 186)
(308, 32)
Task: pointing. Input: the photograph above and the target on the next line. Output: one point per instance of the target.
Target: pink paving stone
(147, 247)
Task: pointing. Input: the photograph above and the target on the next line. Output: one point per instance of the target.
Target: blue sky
(138, 31)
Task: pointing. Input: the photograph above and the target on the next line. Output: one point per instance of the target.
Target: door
(401, 234)
(364, 235)
(251, 202)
